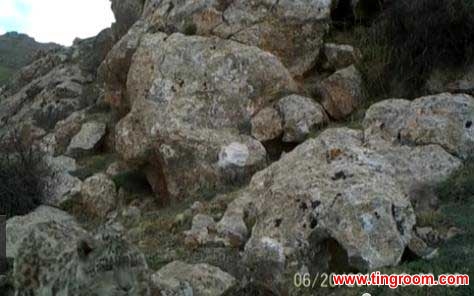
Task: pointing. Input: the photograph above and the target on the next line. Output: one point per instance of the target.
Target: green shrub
(410, 39)
(23, 177)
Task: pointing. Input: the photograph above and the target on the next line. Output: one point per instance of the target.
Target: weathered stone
(193, 100)
(443, 119)
(179, 278)
(302, 24)
(339, 56)
(342, 92)
(301, 116)
(332, 187)
(99, 195)
(267, 125)
(87, 139)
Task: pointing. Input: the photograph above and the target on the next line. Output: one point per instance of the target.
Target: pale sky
(57, 21)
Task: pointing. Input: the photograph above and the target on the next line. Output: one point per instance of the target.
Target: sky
(57, 21)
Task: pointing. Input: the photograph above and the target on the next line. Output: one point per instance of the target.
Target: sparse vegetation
(23, 176)
(411, 39)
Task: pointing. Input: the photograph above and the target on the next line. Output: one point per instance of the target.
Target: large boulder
(342, 92)
(444, 119)
(341, 196)
(193, 100)
(179, 278)
(301, 24)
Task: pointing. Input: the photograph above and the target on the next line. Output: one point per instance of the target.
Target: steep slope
(18, 50)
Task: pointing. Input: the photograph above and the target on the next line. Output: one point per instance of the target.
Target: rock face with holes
(193, 100)
(302, 24)
(443, 119)
(337, 189)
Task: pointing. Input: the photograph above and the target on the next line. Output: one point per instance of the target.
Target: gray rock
(99, 195)
(301, 117)
(193, 97)
(87, 139)
(342, 92)
(443, 119)
(181, 279)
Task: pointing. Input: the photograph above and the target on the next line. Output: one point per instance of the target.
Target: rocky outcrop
(337, 189)
(179, 278)
(443, 119)
(302, 24)
(192, 98)
(19, 50)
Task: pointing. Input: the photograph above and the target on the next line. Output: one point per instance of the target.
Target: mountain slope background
(18, 50)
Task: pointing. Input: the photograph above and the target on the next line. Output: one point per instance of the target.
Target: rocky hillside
(221, 147)
(17, 51)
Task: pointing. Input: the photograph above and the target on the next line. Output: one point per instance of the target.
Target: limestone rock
(302, 24)
(193, 97)
(87, 139)
(301, 116)
(267, 125)
(99, 194)
(339, 56)
(183, 279)
(342, 92)
(443, 119)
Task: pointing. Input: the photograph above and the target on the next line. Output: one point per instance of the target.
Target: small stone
(87, 139)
